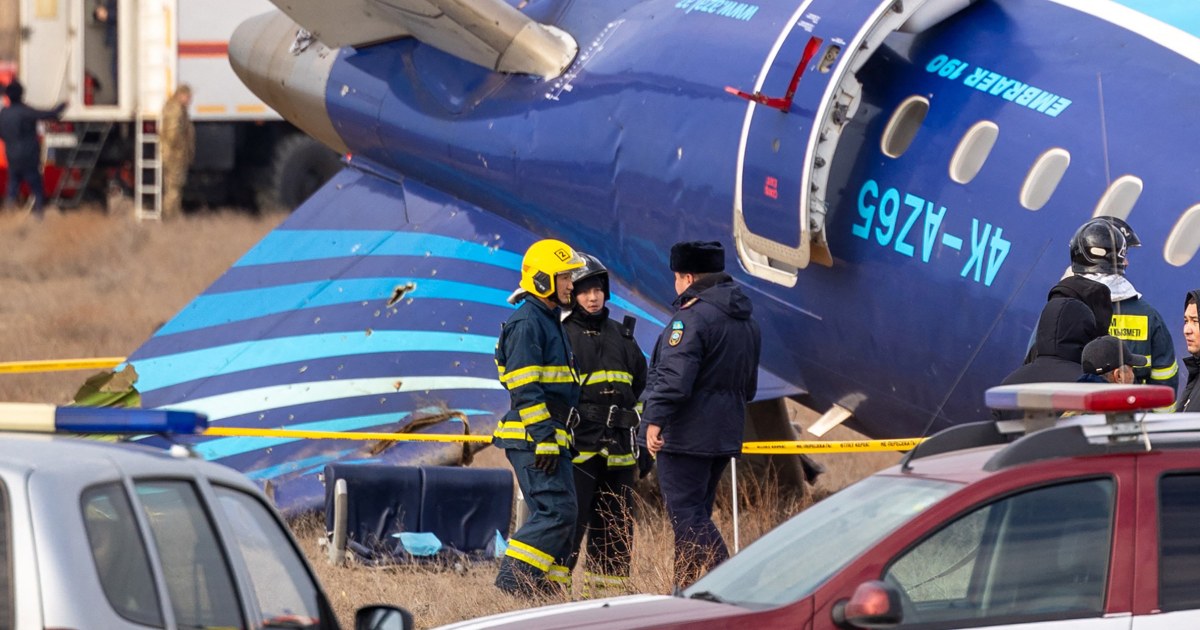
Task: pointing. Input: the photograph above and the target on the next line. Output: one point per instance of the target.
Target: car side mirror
(874, 604)
(381, 617)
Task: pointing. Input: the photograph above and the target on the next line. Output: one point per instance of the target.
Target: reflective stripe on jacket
(534, 361)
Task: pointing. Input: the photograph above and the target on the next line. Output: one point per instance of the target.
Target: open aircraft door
(806, 91)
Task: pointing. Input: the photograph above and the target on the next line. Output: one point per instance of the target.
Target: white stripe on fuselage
(266, 398)
(1159, 32)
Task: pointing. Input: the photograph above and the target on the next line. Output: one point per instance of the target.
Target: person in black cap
(703, 372)
(1107, 360)
(18, 130)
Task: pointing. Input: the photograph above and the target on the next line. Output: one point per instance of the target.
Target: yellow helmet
(543, 260)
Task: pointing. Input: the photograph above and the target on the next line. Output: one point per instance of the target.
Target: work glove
(645, 462)
(546, 461)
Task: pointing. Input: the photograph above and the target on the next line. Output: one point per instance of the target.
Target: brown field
(86, 284)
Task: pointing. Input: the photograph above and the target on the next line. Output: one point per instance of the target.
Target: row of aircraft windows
(1043, 177)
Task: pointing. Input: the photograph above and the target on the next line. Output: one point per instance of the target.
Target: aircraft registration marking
(906, 220)
(996, 84)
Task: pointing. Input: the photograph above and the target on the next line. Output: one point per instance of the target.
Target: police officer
(533, 356)
(177, 142)
(1098, 252)
(612, 374)
(703, 372)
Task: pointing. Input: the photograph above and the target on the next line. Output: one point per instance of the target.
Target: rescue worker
(1064, 327)
(533, 357)
(703, 373)
(1189, 399)
(18, 130)
(1098, 252)
(177, 149)
(612, 375)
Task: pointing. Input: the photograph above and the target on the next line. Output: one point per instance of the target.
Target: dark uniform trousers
(533, 561)
(689, 488)
(605, 495)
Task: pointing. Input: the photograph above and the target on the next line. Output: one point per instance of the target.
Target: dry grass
(87, 284)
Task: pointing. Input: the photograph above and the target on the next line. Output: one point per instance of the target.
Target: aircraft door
(805, 93)
(45, 62)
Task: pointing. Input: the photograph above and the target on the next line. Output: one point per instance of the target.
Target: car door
(1038, 556)
(1168, 542)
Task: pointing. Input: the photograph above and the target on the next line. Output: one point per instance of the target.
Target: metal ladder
(80, 164)
(148, 180)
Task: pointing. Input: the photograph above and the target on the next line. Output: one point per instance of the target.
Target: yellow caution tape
(59, 365)
(751, 448)
(345, 435)
(852, 446)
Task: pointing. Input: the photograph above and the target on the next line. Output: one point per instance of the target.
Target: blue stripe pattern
(289, 246)
(179, 368)
(213, 309)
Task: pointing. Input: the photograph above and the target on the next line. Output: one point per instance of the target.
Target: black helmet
(1131, 238)
(592, 268)
(1098, 247)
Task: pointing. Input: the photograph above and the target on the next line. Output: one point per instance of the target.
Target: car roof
(64, 456)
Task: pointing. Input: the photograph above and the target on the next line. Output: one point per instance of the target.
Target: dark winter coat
(704, 370)
(1189, 400)
(1065, 326)
(534, 359)
(18, 130)
(612, 371)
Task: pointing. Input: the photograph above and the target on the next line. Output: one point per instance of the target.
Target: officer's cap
(697, 257)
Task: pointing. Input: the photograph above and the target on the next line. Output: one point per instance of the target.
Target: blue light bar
(41, 418)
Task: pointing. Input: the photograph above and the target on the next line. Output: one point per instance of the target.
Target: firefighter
(703, 373)
(177, 147)
(533, 356)
(1098, 252)
(612, 375)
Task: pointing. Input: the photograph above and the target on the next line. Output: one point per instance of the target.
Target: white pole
(733, 468)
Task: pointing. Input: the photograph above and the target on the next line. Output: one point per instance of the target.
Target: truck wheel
(299, 166)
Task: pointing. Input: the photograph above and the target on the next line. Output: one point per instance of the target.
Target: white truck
(115, 62)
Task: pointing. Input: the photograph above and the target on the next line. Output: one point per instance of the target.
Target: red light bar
(1084, 397)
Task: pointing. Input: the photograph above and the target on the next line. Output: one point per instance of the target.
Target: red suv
(1090, 522)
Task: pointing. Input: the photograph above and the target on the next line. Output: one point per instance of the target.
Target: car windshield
(796, 557)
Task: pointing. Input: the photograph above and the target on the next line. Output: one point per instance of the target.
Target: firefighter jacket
(533, 357)
(1142, 329)
(704, 370)
(612, 373)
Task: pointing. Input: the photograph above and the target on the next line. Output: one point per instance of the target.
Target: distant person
(1064, 327)
(18, 130)
(1098, 252)
(177, 148)
(1189, 400)
(612, 375)
(535, 363)
(1107, 360)
(703, 373)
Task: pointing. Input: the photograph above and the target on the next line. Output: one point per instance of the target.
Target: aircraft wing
(486, 32)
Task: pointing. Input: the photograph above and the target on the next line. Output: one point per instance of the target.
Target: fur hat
(697, 257)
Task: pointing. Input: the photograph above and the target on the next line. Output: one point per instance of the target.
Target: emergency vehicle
(1085, 522)
(101, 534)
(115, 62)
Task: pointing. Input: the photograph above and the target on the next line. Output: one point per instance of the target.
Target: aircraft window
(973, 151)
(1118, 200)
(903, 126)
(1184, 239)
(1043, 178)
